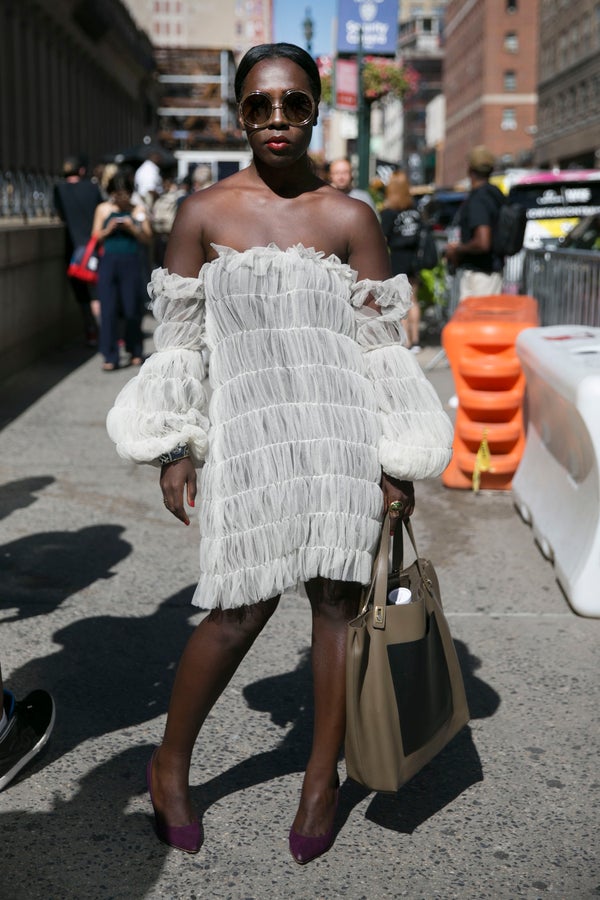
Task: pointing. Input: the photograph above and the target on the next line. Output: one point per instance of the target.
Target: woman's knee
(334, 599)
(240, 626)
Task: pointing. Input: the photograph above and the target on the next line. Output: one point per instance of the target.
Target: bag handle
(377, 592)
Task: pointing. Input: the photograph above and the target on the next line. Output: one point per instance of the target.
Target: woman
(401, 223)
(120, 227)
(292, 486)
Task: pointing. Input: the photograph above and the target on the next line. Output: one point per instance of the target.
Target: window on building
(509, 119)
(511, 42)
(510, 80)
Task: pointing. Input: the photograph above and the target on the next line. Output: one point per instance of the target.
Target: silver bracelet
(180, 452)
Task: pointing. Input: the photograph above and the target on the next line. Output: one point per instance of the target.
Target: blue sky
(288, 18)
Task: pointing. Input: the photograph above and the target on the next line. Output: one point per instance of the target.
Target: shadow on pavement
(288, 699)
(89, 846)
(41, 570)
(20, 391)
(20, 494)
(111, 672)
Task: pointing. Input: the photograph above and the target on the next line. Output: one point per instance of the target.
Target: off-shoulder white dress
(312, 396)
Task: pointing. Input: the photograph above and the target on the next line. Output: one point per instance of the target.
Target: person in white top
(319, 419)
(148, 180)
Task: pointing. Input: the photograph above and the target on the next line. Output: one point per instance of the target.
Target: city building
(420, 46)
(197, 116)
(569, 84)
(76, 77)
(490, 81)
(232, 25)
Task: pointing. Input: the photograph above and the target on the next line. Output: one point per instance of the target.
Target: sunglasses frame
(275, 106)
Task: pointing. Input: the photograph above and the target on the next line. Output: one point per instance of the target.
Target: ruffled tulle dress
(311, 396)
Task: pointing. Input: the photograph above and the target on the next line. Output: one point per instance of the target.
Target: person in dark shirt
(75, 200)
(121, 226)
(481, 270)
(401, 223)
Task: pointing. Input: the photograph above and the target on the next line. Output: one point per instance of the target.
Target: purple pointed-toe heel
(188, 838)
(304, 848)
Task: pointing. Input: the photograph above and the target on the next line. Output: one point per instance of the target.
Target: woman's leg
(211, 657)
(107, 294)
(333, 604)
(130, 278)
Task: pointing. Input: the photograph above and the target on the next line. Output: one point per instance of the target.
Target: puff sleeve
(416, 434)
(165, 405)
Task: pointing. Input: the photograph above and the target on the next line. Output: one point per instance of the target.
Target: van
(555, 202)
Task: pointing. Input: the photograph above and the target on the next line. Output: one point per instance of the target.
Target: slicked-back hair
(278, 51)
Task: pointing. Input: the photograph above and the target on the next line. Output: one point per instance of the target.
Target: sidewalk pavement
(95, 607)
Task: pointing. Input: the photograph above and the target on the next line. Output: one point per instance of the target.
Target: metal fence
(566, 284)
(26, 195)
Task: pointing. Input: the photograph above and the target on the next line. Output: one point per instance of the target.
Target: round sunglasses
(256, 110)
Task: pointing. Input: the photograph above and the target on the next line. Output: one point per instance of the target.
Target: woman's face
(278, 143)
(122, 199)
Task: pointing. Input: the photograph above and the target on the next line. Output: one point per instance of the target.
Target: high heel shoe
(188, 838)
(304, 847)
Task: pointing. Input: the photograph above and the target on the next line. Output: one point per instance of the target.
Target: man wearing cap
(477, 219)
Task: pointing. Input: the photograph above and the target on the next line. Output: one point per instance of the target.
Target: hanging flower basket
(381, 78)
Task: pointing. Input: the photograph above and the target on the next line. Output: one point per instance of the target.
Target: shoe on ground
(30, 724)
(416, 348)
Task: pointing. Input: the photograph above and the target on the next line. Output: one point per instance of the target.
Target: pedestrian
(121, 229)
(341, 178)
(287, 282)
(25, 726)
(480, 270)
(148, 180)
(402, 227)
(163, 215)
(75, 200)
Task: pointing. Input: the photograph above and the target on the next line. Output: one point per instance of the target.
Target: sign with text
(346, 84)
(378, 21)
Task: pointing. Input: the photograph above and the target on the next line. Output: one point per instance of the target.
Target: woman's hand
(176, 478)
(395, 491)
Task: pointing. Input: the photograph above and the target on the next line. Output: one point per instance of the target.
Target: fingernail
(192, 503)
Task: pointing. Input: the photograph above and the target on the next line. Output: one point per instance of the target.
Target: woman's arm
(185, 251)
(370, 258)
(368, 253)
(184, 256)
(103, 210)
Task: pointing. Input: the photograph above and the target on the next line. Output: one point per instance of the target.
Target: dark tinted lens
(297, 107)
(256, 109)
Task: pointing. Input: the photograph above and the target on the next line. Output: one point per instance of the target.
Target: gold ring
(396, 506)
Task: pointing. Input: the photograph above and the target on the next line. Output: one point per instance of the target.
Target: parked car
(439, 209)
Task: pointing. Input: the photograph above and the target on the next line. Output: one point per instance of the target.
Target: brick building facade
(490, 81)
(569, 84)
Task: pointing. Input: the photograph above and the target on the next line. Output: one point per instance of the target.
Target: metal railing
(26, 195)
(566, 284)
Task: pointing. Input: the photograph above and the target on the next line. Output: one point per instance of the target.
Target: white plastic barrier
(557, 484)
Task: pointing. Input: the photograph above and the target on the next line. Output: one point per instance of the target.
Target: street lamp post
(307, 25)
(364, 121)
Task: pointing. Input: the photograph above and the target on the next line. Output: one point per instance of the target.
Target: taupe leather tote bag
(404, 688)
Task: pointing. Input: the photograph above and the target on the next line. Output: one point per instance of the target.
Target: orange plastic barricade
(489, 435)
